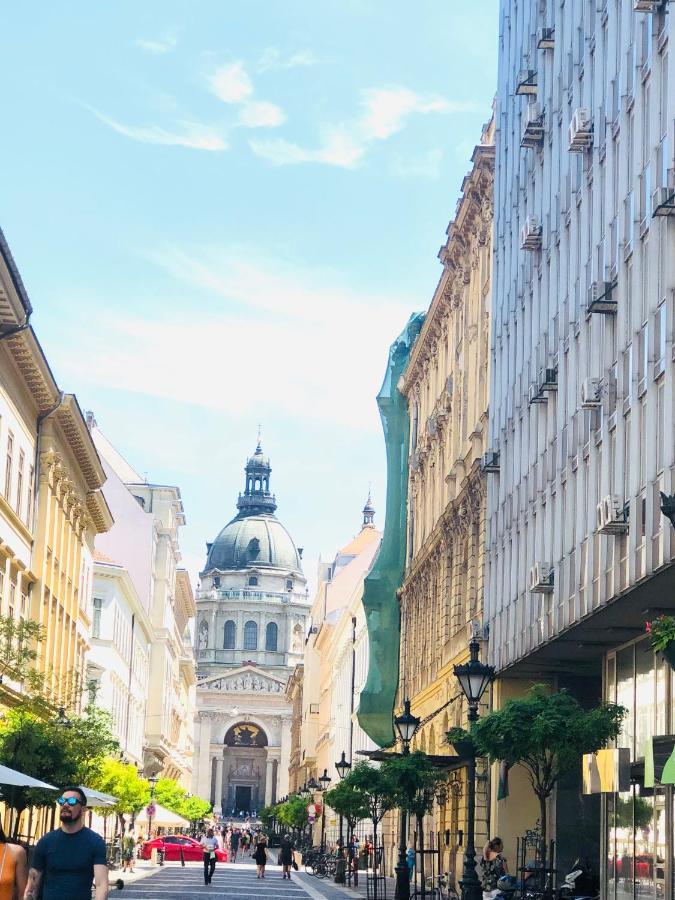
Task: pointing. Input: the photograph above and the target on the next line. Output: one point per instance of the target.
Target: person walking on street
(234, 844)
(67, 860)
(260, 856)
(210, 845)
(286, 856)
(13, 869)
(128, 851)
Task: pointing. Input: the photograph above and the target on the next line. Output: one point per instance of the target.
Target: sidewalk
(142, 868)
(326, 887)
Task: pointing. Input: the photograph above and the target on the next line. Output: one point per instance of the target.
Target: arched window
(250, 636)
(289, 584)
(253, 580)
(229, 635)
(271, 636)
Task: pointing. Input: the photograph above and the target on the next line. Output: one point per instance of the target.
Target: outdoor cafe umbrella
(18, 779)
(98, 798)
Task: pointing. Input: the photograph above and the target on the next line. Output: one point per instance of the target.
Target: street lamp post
(406, 726)
(341, 767)
(474, 678)
(152, 781)
(325, 781)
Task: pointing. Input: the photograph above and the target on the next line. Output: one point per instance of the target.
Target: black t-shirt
(67, 863)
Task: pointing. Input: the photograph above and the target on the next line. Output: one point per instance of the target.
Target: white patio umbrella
(18, 779)
(98, 798)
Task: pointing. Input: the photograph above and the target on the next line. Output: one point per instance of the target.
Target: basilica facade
(252, 607)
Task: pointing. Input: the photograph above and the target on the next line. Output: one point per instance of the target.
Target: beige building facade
(446, 387)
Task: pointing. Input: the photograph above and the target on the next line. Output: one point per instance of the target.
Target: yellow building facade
(51, 505)
(446, 386)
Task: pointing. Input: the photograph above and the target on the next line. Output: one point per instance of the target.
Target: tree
(122, 781)
(546, 734)
(347, 802)
(194, 809)
(18, 640)
(293, 812)
(378, 790)
(169, 794)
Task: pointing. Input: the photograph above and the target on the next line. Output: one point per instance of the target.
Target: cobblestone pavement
(230, 882)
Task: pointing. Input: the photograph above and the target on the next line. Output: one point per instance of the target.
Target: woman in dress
(13, 869)
(286, 856)
(128, 850)
(260, 856)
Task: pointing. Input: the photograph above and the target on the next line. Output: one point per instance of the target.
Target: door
(171, 851)
(242, 799)
(192, 851)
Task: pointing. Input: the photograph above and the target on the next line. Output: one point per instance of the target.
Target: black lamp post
(474, 678)
(325, 781)
(152, 781)
(342, 767)
(406, 725)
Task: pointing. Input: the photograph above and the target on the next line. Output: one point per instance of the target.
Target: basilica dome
(252, 541)
(255, 537)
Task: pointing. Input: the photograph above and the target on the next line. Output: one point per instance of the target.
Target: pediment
(244, 680)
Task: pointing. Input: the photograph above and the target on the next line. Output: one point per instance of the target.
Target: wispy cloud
(290, 304)
(261, 114)
(273, 58)
(157, 46)
(231, 83)
(194, 135)
(384, 112)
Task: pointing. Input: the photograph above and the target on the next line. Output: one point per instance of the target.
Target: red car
(171, 844)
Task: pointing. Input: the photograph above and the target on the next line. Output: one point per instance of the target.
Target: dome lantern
(257, 499)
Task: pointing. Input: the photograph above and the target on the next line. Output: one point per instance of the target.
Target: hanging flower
(661, 630)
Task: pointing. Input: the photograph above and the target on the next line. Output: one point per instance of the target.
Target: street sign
(150, 810)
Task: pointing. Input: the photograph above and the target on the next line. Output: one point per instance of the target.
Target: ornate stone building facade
(252, 607)
(446, 386)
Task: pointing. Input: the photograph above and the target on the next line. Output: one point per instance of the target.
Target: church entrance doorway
(242, 800)
(244, 770)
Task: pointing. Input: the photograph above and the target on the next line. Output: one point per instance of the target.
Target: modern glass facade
(638, 842)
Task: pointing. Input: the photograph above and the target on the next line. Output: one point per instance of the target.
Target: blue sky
(224, 212)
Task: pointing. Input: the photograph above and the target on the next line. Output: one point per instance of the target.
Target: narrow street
(230, 882)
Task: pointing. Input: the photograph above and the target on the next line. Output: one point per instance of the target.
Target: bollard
(160, 856)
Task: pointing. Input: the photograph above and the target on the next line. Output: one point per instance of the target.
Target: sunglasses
(68, 801)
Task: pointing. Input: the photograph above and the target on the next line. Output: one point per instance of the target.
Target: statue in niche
(297, 639)
(203, 635)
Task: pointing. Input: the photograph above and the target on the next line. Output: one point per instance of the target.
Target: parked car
(171, 844)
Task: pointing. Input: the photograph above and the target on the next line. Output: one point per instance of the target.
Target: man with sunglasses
(67, 860)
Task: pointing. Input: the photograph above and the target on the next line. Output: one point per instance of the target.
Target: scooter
(581, 883)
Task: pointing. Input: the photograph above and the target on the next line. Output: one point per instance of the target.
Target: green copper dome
(255, 537)
(253, 541)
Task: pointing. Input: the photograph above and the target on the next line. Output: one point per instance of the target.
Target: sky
(224, 212)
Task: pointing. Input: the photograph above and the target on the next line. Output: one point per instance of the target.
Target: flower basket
(662, 633)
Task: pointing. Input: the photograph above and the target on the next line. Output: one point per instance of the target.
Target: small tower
(257, 498)
(368, 514)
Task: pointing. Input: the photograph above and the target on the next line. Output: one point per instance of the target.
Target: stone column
(269, 779)
(218, 800)
(285, 762)
(204, 757)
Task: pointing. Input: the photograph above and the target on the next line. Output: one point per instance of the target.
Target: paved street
(230, 882)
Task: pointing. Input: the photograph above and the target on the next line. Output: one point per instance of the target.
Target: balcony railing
(232, 594)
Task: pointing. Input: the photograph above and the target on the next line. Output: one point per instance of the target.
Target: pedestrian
(67, 860)
(492, 866)
(260, 856)
(235, 838)
(210, 845)
(13, 869)
(410, 859)
(244, 843)
(286, 856)
(128, 850)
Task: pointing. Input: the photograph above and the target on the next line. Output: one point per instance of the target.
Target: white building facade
(581, 404)
(252, 608)
(119, 656)
(144, 544)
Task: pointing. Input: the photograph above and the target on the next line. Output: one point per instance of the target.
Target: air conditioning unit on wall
(530, 234)
(590, 393)
(648, 6)
(490, 461)
(581, 130)
(612, 515)
(541, 578)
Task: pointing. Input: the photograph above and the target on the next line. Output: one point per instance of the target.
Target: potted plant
(461, 740)
(662, 634)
